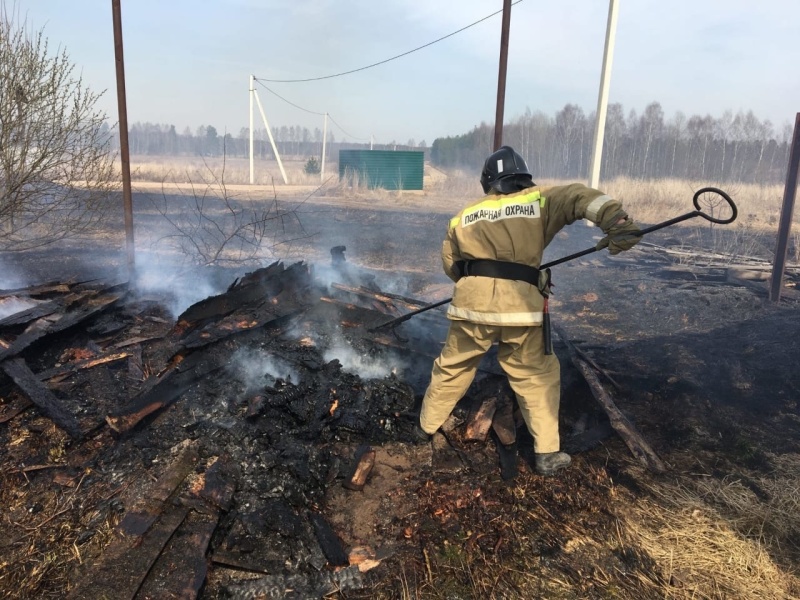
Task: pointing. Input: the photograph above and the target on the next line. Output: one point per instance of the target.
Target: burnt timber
(206, 503)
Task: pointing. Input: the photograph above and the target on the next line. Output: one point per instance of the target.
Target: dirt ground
(685, 342)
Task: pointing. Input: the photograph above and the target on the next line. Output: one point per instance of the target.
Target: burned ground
(213, 454)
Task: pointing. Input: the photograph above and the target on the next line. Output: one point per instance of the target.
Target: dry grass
(651, 201)
(716, 539)
(44, 522)
(231, 170)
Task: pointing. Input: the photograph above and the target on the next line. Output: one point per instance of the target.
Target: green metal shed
(391, 170)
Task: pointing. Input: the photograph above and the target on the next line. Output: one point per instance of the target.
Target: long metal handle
(690, 215)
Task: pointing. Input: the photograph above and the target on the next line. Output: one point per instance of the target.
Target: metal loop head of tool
(718, 192)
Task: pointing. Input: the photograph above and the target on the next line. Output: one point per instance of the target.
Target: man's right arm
(451, 254)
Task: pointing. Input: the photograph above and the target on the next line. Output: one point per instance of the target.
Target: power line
(344, 132)
(311, 112)
(392, 58)
(288, 101)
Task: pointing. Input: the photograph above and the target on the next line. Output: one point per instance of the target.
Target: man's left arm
(577, 201)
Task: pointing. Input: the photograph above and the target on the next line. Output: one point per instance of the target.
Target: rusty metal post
(501, 78)
(787, 211)
(123, 140)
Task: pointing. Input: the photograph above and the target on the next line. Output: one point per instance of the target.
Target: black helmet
(505, 171)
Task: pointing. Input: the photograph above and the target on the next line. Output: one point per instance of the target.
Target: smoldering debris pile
(208, 441)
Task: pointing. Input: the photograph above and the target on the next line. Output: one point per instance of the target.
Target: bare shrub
(207, 225)
(56, 171)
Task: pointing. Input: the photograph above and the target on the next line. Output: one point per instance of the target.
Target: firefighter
(492, 252)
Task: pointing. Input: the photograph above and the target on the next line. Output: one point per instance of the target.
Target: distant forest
(732, 147)
(293, 142)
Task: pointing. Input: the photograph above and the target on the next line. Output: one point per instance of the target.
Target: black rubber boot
(547, 464)
(418, 435)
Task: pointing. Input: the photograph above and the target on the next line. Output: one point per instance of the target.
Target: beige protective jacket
(514, 228)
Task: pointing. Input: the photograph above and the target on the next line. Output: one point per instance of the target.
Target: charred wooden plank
(141, 516)
(230, 327)
(136, 365)
(626, 430)
(409, 303)
(142, 535)
(364, 462)
(178, 378)
(81, 365)
(180, 569)
(218, 485)
(42, 397)
(31, 314)
(480, 421)
(596, 367)
(508, 461)
(345, 305)
(503, 423)
(357, 317)
(43, 289)
(244, 562)
(135, 340)
(329, 542)
(70, 319)
(375, 299)
(124, 567)
(254, 288)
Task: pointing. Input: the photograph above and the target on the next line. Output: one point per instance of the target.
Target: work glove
(623, 235)
(545, 282)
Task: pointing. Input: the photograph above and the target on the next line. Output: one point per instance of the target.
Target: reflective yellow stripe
(491, 318)
(595, 205)
(497, 204)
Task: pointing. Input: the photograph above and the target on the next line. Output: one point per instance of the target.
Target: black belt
(500, 270)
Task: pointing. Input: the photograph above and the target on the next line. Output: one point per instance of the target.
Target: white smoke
(178, 286)
(366, 367)
(10, 278)
(256, 368)
(12, 305)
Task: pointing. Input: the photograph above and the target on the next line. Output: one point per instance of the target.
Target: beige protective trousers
(534, 376)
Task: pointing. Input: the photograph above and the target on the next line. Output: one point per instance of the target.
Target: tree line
(156, 139)
(732, 147)
(738, 147)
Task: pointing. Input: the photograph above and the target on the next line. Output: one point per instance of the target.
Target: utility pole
(324, 136)
(501, 78)
(271, 139)
(124, 152)
(602, 96)
(787, 210)
(252, 89)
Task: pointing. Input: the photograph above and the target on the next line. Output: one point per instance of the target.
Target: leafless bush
(56, 171)
(208, 225)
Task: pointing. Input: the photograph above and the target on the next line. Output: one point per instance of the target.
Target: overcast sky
(187, 62)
